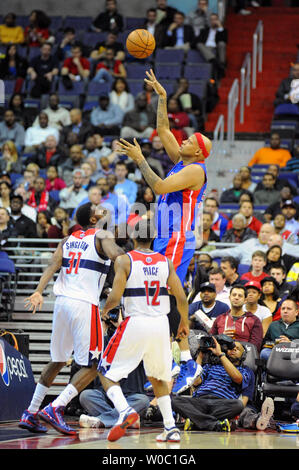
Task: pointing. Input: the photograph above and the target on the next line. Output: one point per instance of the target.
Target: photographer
(222, 382)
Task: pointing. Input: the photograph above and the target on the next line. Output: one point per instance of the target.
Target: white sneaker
(255, 4)
(169, 435)
(244, 12)
(266, 413)
(86, 421)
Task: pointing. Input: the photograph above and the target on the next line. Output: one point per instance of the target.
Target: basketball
(140, 43)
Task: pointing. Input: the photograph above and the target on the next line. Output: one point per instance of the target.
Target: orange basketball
(140, 43)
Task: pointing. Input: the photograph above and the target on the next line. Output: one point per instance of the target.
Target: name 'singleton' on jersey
(78, 245)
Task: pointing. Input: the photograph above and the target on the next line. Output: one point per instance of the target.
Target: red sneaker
(119, 430)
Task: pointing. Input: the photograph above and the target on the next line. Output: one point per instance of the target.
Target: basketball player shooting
(180, 194)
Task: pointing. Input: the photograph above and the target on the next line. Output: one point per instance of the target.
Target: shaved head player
(180, 192)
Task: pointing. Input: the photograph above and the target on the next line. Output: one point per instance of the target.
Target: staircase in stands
(281, 36)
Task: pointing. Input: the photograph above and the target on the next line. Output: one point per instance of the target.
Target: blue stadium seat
(285, 129)
(243, 268)
(91, 38)
(168, 71)
(14, 177)
(55, 195)
(22, 20)
(286, 109)
(89, 105)
(135, 86)
(169, 56)
(78, 88)
(78, 22)
(9, 86)
(96, 88)
(198, 72)
(292, 178)
(194, 57)
(56, 23)
(198, 87)
(134, 23)
(136, 71)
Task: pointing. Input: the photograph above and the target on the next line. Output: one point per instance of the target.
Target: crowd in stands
(57, 156)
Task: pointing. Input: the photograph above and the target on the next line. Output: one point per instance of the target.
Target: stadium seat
(286, 111)
(91, 38)
(169, 56)
(281, 366)
(9, 280)
(14, 177)
(194, 57)
(55, 195)
(78, 22)
(243, 268)
(292, 178)
(168, 71)
(134, 23)
(198, 72)
(56, 23)
(96, 88)
(284, 128)
(198, 87)
(137, 71)
(135, 86)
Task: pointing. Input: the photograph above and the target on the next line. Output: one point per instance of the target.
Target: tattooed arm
(167, 138)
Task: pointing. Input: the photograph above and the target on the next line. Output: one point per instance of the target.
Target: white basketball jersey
(83, 271)
(146, 290)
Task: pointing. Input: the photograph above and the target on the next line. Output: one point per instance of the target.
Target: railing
(257, 52)
(245, 85)
(221, 10)
(233, 100)
(218, 135)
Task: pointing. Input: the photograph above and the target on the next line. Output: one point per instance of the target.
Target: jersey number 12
(156, 285)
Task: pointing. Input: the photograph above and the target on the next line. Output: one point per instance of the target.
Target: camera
(206, 342)
(113, 317)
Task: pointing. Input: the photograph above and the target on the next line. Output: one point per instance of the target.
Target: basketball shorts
(178, 250)
(139, 338)
(77, 331)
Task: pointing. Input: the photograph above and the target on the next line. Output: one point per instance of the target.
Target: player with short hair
(84, 260)
(181, 193)
(142, 278)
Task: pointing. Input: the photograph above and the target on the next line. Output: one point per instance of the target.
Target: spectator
(273, 257)
(240, 325)
(178, 35)
(13, 66)
(37, 32)
(71, 196)
(211, 43)
(217, 277)
(120, 95)
(247, 209)
(258, 264)
(254, 292)
(243, 251)
(9, 160)
(219, 221)
(5, 193)
(24, 115)
(151, 96)
(139, 122)
(87, 180)
(78, 126)
(284, 330)
(158, 153)
(279, 223)
(280, 183)
(285, 289)
(105, 166)
(42, 70)
(64, 49)
(181, 118)
(207, 304)
(61, 225)
(9, 32)
(24, 226)
(273, 155)
(12, 130)
(107, 117)
(289, 252)
(207, 233)
(118, 202)
(288, 209)
(48, 153)
(284, 89)
(273, 209)
(165, 13)
(53, 182)
(109, 20)
(98, 148)
(247, 183)
(43, 223)
(146, 149)
(125, 186)
(239, 232)
(232, 195)
(268, 194)
(190, 103)
(109, 68)
(59, 116)
(7, 229)
(293, 164)
(74, 162)
(270, 296)
(39, 198)
(152, 27)
(229, 266)
(36, 135)
(75, 68)
(199, 19)
(293, 273)
(109, 42)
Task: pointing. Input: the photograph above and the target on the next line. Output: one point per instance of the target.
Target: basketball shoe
(126, 420)
(169, 435)
(30, 421)
(266, 413)
(190, 370)
(86, 421)
(54, 416)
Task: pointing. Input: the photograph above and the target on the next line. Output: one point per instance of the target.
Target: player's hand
(183, 331)
(153, 82)
(34, 302)
(131, 150)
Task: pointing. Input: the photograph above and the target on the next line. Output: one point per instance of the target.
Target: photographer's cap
(207, 286)
(254, 284)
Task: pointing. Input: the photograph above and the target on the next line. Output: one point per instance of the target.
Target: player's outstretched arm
(167, 138)
(35, 301)
(177, 290)
(122, 271)
(105, 243)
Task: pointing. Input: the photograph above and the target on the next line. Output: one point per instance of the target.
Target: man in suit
(212, 41)
(179, 35)
(81, 128)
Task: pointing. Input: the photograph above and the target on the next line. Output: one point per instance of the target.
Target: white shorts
(139, 338)
(77, 330)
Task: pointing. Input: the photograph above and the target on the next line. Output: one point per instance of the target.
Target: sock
(37, 399)
(118, 399)
(185, 356)
(66, 396)
(164, 404)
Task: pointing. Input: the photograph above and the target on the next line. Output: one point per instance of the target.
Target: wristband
(221, 355)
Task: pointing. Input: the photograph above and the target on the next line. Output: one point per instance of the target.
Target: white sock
(118, 399)
(185, 356)
(164, 404)
(37, 399)
(66, 396)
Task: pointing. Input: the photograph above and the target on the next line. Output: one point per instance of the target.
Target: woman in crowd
(43, 223)
(120, 95)
(270, 296)
(273, 257)
(5, 192)
(24, 115)
(9, 158)
(13, 66)
(53, 182)
(37, 32)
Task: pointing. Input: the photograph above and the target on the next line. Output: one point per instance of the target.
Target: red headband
(201, 144)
